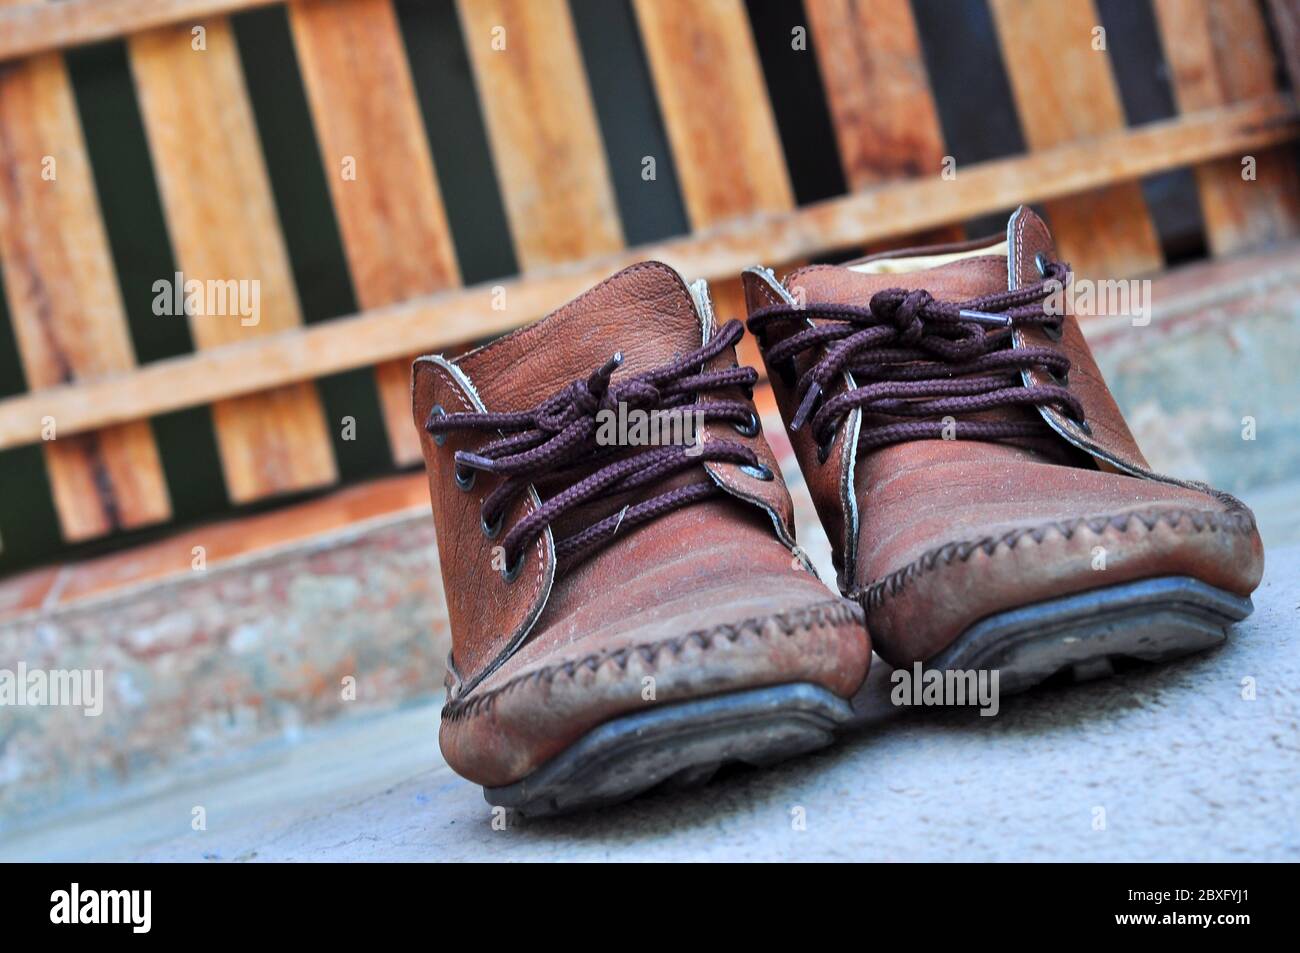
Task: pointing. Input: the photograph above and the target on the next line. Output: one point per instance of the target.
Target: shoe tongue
(954, 281)
(645, 312)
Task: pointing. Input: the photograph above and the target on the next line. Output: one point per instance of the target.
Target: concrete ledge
(202, 665)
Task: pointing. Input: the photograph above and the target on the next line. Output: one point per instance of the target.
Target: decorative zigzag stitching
(829, 613)
(873, 596)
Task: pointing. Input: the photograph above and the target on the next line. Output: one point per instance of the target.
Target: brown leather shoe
(985, 500)
(621, 615)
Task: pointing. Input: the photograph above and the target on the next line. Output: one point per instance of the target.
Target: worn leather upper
(705, 599)
(933, 535)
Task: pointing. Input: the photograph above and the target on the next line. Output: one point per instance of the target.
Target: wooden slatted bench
(1083, 164)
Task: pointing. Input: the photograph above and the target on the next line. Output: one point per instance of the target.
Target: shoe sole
(683, 744)
(1084, 635)
(677, 746)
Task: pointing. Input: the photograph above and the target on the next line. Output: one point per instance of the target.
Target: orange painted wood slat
(720, 124)
(714, 101)
(542, 129)
(380, 172)
(64, 302)
(1065, 90)
(1219, 53)
(879, 94)
(883, 110)
(223, 227)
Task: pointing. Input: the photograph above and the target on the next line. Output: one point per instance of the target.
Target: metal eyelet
(1061, 380)
(1054, 331)
(1081, 425)
(490, 530)
(511, 573)
(465, 483)
(750, 427)
(824, 449)
(437, 411)
(1040, 262)
(759, 472)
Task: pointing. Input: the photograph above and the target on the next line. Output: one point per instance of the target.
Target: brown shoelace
(915, 360)
(557, 441)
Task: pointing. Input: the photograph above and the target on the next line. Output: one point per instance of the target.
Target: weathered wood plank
(223, 227)
(380, 172)
(1219, 53)
(714, 100)
(542, 128)
(30, 26)
(886, 124)
(65, 304)
(1064, 91)
(723, 250)
(885, 119)
(719, 121)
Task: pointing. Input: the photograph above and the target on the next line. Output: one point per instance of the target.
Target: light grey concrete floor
(1168, 762)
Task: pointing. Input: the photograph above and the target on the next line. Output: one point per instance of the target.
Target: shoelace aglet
(474, 461)
(983, 317)
(806, 405)
(598, 382)
(609, 367)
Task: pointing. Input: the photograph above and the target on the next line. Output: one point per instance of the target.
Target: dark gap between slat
(13, 380)
(310, 228)
(794, 86)
(1281, 78)
(630, 121)
(128, 195)
(1137, 57)
(29, 525)
(971, 89)
(142, 254)
(453, 121)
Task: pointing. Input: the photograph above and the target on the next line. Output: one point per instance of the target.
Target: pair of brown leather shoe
(628, 609)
